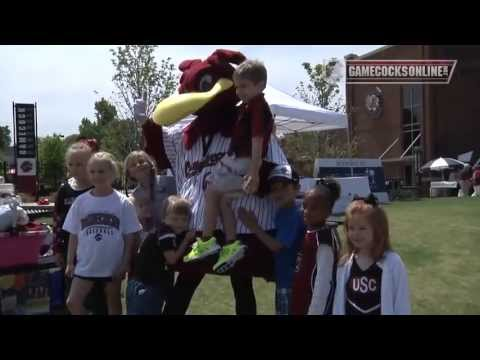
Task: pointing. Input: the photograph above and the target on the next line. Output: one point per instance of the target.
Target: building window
(412, 116)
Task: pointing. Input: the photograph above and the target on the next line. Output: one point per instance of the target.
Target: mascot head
(201, 76)
(206, 90)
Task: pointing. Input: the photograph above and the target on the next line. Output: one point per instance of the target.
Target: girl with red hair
(372, 279)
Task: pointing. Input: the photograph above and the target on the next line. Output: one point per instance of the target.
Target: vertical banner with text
(26, 147)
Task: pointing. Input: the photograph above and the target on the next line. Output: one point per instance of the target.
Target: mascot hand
(248, 218)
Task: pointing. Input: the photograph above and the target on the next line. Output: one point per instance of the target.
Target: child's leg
(207, 245)
(234, 250)
(96, 303)
(112, 292)
(180, 296)
(476, 191)
(212, 211)
(228, 218)
(78, 292)
(226, 182)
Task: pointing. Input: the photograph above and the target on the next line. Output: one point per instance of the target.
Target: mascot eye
(206, 83)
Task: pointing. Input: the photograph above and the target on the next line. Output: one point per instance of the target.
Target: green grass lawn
(439, 241)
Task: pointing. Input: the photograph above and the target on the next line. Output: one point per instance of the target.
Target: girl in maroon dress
(314, 279)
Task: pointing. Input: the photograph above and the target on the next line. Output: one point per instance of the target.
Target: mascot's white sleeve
(323, 280)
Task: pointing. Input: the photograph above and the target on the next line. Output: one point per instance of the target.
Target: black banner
(25, 131)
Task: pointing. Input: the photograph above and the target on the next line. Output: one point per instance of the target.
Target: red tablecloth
(23, 248)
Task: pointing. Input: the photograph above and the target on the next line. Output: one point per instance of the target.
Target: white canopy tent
(293, 115)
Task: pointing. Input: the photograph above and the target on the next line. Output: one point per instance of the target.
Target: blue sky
(65, 81)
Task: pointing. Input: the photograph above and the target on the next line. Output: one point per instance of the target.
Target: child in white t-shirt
(102, 224)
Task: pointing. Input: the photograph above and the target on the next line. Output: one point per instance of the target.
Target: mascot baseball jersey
(192, 168)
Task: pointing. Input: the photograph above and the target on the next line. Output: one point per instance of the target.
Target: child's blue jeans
(283, 298)
(145, 299)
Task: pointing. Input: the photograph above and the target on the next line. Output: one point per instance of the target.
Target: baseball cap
(283, 172)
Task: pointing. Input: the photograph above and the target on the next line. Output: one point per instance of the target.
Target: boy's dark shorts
(101, 280)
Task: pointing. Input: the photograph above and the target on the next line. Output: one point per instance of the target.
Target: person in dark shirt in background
(476, 181)
(150, 280)
(465, 181)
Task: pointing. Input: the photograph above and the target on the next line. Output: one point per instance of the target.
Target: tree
(90, 129)
(137, 76)
(5, 140)
(323, 87)
(51, 156)
(114, 135)
(105, 114)
(303, 148)
(117, 141)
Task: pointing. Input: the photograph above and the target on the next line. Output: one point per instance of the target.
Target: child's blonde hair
(177, 205)
(105, 157)
(377, 218)
(127, 179)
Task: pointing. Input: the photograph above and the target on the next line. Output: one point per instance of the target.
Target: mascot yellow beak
(177, 107)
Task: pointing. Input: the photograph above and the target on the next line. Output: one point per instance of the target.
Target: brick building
(418, 122)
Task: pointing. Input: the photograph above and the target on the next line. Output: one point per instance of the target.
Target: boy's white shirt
(395, 292)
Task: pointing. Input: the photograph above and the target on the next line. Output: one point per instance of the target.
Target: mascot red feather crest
(216, 115)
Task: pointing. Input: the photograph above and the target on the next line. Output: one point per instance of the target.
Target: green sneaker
(201, 249)
(229, 255)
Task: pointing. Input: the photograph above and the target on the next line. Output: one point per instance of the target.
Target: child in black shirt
(150, 279)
